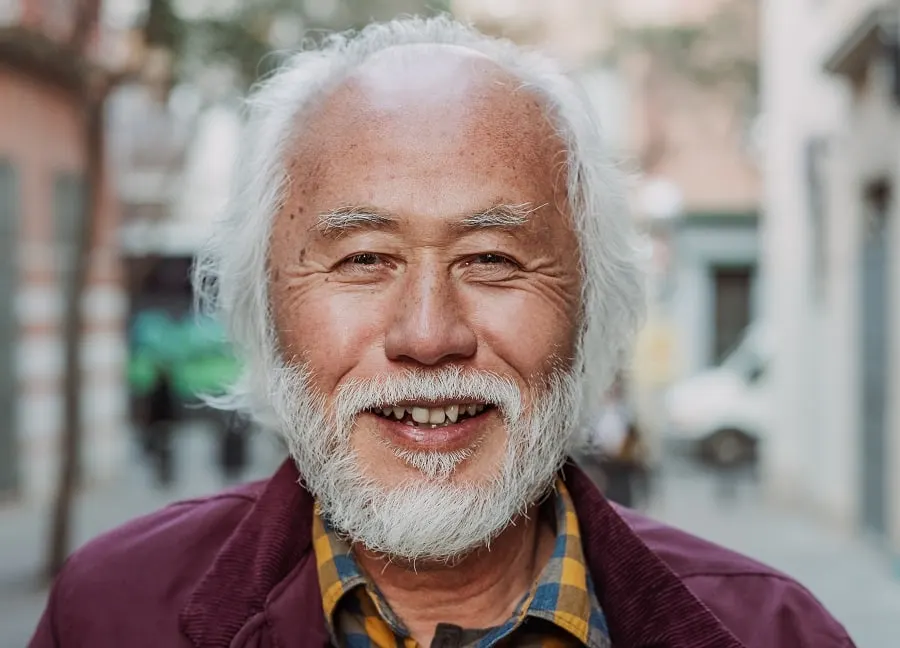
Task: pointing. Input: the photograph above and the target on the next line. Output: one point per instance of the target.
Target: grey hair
(231, 273)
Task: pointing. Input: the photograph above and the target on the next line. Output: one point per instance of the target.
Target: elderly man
(425, 268)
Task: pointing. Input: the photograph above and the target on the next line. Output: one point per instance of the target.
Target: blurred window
(9, 219)
(68, 195)
(8, 198)
(732, 286)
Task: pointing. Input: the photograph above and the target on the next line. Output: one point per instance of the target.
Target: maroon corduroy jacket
(237, 570)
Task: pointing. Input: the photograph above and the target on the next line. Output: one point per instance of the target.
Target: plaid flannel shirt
(560, 610)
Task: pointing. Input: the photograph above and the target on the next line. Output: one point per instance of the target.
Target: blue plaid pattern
(560, 611)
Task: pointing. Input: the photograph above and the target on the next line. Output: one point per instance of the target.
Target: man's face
(424, 229)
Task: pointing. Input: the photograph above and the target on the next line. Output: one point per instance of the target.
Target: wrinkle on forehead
(426, 111)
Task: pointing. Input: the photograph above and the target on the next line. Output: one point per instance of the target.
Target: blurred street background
(762, 140)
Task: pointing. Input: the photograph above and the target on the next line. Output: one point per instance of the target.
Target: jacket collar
(272, 542)
(645, 603)
(267, 566)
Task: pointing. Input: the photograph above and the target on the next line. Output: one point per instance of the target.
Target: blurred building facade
(831, 98)
(42, 182)
(149, 139)
(691, 131)
(688, 145)
(172, 186)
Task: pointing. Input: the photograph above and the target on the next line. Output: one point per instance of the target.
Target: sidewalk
(852, 579)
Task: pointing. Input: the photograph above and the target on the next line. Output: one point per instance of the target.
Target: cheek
(527, 331)
(314, 319)
(323, 326)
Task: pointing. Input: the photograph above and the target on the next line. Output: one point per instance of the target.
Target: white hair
(231, 274)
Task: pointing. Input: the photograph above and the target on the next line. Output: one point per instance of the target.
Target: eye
(492, 258)
(364, 259)
(364, 264)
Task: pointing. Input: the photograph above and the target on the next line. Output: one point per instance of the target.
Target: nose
(429, 326)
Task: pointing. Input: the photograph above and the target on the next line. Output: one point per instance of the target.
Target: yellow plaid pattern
(561, 610)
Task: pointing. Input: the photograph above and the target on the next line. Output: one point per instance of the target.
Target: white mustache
(449, 383)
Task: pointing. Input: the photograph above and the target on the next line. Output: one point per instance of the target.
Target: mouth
(430, 415)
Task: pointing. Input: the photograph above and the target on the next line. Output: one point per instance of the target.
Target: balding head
(444, 100)
(424, 73)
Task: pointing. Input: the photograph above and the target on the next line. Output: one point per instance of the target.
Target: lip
(457, 436)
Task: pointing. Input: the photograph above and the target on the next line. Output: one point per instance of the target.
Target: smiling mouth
(430, 416)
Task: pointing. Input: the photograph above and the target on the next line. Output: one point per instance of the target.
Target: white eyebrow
(336, 222)
(501, 216)
(342, 219)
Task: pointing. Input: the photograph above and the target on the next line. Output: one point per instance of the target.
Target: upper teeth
(433, 415)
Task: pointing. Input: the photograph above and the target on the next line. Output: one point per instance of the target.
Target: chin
(430, 506)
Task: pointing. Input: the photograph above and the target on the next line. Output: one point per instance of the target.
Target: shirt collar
(338, 571)
(563, 593)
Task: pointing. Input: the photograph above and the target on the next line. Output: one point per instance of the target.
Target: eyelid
(505, 269)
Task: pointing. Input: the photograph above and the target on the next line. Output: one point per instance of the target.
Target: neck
(481, 590)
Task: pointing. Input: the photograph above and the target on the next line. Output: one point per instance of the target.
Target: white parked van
(721, 413)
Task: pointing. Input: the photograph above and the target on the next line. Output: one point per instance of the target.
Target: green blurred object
(194, 352)
(141, 372)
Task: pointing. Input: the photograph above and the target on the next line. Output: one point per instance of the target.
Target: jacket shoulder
(136, 578)
(180, 534)
(760, 605)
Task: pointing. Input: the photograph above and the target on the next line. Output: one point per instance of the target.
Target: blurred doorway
(9, 447)
(733, 308)
(875, 345)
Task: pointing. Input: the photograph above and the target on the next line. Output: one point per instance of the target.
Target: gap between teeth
(434, 415)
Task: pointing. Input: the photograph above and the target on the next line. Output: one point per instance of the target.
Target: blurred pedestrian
(616, 457)
(611, 430)
(234, 444)
(632, 462)
(161, 418)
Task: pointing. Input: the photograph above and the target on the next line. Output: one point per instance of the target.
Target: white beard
(433, 517)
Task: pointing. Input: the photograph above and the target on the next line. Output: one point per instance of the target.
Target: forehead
(428, 114)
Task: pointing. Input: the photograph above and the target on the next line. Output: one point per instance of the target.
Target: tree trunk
(75, 282)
